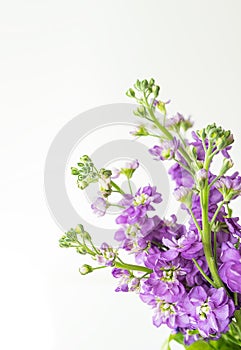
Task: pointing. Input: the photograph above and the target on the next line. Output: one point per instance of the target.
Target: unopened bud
(227, 164)
(130, 93)
(85, 269)
(184, 195)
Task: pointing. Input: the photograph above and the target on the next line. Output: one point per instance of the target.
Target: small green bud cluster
(76, 238)
(217, 136)
(86, 172)
(143, 90)
(146, 86)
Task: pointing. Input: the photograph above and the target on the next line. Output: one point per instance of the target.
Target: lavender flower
(99, 206)
(166, 150)
(106, 256)
(230, 270)
(169, 313)
(229, 187)
(210, 310)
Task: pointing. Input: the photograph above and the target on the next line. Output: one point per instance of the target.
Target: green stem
(206, 229)
(164, 130)
(237, 315)
(216, 213)
(202, 272)
(117, 187)
(184, 167)
(129, 184)
(115, 205)
(131, 267)
(215, 246)
(195, 222)
(235, 297)
(214, 181)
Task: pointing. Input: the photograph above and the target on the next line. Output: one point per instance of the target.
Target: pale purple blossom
(99, 206)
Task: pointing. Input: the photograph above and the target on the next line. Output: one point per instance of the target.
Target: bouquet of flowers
(190, 275)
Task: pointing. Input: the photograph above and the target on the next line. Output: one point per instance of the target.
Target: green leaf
(199, 345)
(178, 337)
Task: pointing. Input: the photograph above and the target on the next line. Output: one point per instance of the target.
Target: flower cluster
(188, 274)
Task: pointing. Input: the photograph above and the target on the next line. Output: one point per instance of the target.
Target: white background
(60, 58)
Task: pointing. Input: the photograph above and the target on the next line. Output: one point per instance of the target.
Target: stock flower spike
(189, 274)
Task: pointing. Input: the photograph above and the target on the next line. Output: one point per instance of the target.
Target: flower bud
(227, 164)
(130, 93)
(85, 269)
(141, 131)
(144, 84)
(201, 177)
(162, 107)
(184, 195)
(74, 171)
(155, 90)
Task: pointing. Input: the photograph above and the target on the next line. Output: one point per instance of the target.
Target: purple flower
(233, 225)
(166, 150)
(230, 270)
(202, 175)
(229, 186)
(106, 255)
(99, 206)
(181, 176)
(169, 313)
(188, 245)
(127, 282)
(175, 121)
(210, 310)
(138, 205)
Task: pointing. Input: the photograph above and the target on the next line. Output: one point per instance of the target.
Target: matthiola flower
(138, 205)
(230, 270)
(99, 206)
(127, 283)
(210, 310)
(229, 186)
(184, 195)
(107, 255)
(164, 281)
(233, 226)
(166, 150)
(175, 121)
(169, 313)
(147, 195)
(181, 176)
(188, 245)
(130, 168)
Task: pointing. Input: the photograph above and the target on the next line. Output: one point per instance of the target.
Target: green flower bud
(130, 93)
(227, 164)
(141, 131)
(105, 173)
(82, 184)
(155, 90)
(151, 82)
(137, 85)
(85, 269)
(74, 171)
(79, 229)
(144, 84)
(162, 107)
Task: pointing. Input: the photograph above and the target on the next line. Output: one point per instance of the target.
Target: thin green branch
(203, 273)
